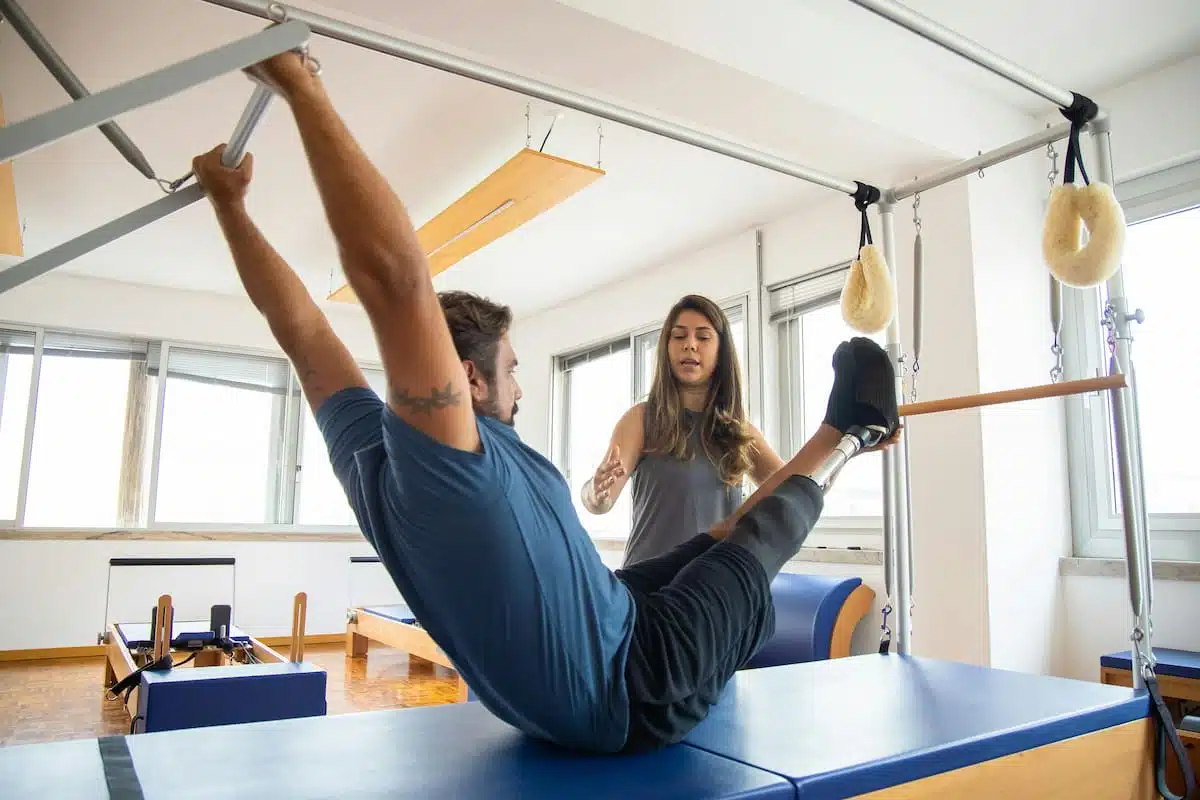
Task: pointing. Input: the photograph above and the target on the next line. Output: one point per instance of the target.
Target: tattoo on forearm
(438, 398)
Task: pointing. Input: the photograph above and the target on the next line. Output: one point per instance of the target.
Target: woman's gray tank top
(674, 500)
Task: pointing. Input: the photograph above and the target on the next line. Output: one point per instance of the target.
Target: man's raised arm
(383, 261)
(322, 362)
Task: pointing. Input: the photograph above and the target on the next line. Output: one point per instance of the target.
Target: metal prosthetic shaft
(855, 439)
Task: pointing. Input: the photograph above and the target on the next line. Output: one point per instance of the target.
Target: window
(320, 498)
(1163, 212)
(806, 326)
(218, 438)
(78, 444)
(595, 387)
(222, 430)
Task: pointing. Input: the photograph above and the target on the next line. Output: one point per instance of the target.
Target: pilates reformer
(1026, 735)
(396, 627)
(143, 661)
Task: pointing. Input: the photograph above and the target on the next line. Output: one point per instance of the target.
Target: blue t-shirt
(489, 553)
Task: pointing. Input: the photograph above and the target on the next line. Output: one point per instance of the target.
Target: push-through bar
(54, 64)
(60, 254)
(34, 266)
(30, 134)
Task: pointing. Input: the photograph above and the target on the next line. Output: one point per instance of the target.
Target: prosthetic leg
(856, 439)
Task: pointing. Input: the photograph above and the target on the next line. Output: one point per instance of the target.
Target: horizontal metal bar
(988, 159)
(972, 51)
(66, 78)
(418, 54)
(28, 135)
(38, 265)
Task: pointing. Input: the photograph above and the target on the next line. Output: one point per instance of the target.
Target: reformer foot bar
(37, 131)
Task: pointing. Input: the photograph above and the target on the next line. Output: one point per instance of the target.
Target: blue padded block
(455, 751)
(1190, 724)
(852, 725)
(205, 696)
(806, 608)
(399, 613)
(1177, 663)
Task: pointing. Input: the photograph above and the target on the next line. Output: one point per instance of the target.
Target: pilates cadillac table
(881, 726)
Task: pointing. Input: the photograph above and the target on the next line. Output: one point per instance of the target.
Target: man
(477, 529)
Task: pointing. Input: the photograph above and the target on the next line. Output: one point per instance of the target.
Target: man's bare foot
(286, 74)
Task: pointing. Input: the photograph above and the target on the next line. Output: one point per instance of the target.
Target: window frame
(285, 492)
(1097, 528)
(559, 423)
(841, 532)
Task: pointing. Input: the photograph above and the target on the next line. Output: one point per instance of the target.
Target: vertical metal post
(896, 528)
(1128, 445)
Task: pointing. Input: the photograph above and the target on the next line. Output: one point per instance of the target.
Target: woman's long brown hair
(723, 430)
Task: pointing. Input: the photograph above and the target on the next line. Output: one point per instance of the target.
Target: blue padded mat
(854, 725)
(1177, 663)
(139, 634)
(451, 751)
(398, 613)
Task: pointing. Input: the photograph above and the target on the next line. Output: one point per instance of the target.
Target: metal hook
(277, 13)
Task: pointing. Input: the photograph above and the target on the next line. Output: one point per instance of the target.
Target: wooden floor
(42, 701)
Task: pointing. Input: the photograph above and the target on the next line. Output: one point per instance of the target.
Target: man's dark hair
(476, 325)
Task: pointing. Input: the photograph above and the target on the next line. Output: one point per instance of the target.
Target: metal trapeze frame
(897, 517)
(101, 107)
(1124, 406)
(96, 109)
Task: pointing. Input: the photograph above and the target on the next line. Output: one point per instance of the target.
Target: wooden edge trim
(858, 605)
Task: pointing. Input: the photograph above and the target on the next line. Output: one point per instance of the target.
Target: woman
(688, 447)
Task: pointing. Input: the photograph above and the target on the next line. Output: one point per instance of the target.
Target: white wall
(1024, 453)
(54, 592)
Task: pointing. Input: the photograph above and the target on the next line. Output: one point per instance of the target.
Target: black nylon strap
(1166, 731)
(119, 772)
(864, 196)
(1081, 111)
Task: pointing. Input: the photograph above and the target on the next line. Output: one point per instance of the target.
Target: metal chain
(528, 129)
(599, 142)
(887, 632)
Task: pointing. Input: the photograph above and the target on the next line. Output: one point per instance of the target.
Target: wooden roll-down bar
(1014, 395)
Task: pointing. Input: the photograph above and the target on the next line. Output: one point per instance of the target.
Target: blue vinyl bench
(898, 725)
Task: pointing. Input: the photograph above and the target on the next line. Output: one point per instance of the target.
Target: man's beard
(491, 409)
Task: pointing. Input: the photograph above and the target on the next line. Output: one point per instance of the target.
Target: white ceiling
(791, 88)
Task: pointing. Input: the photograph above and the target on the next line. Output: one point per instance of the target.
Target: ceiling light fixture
(528, 184)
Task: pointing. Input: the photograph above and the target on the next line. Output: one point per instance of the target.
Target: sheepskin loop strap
(868, 297)
(864, 196)
(1081, 111)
